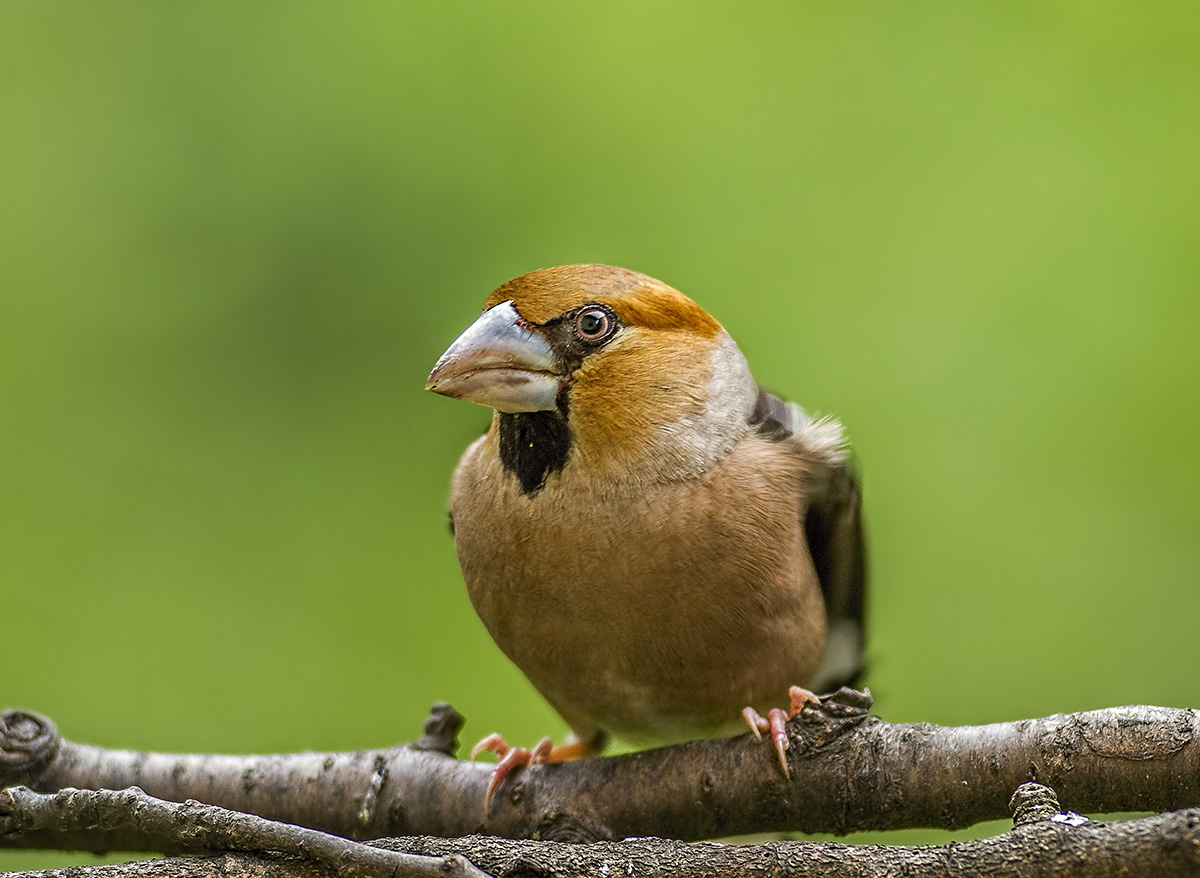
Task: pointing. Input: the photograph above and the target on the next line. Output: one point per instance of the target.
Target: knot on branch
(847, 702)
(441, 730)
(836, 715)
(1034, 802)
(28, 743)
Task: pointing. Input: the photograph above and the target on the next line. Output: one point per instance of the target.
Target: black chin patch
(533, 445)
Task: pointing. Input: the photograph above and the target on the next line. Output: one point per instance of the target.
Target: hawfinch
(653, 539)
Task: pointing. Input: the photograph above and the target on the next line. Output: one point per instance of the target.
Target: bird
(663, 547)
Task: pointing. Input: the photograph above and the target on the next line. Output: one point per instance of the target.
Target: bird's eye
(594, 324)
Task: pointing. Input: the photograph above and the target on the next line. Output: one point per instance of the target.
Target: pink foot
(775, 722)
(544, 752)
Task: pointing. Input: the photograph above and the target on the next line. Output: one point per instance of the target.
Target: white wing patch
(823, 436)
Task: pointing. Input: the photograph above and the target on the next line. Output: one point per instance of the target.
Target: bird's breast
(646, 607)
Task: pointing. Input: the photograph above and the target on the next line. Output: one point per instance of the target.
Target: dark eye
(594, 324)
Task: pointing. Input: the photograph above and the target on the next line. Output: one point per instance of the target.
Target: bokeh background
(234, 237)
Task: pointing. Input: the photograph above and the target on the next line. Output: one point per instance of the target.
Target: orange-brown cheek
(623, 396)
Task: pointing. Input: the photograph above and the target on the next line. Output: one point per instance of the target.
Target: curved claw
(799, 697)
(514, 758)
(510, 758)
(542, 752)
(776, 722)
(493, 743)
(757, 724)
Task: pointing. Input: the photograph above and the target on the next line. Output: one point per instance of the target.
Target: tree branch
(1050, 843)
(206, 828)
(850, 771)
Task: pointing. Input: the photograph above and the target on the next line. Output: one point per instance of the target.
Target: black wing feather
(833, 528)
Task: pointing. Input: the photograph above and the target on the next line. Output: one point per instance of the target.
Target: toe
(798, 698)
(778, 722)
(514, 758)
(757, 724)
(493, 743)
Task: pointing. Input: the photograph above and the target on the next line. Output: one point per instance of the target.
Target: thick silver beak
(497, 362)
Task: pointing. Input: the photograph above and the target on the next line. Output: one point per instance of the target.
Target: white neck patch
(695, 442)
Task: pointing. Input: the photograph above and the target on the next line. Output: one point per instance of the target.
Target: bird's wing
(834, 531)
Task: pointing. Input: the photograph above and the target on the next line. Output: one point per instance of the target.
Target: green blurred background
(234, 237)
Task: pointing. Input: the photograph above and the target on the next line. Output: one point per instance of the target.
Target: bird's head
(626, 372)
